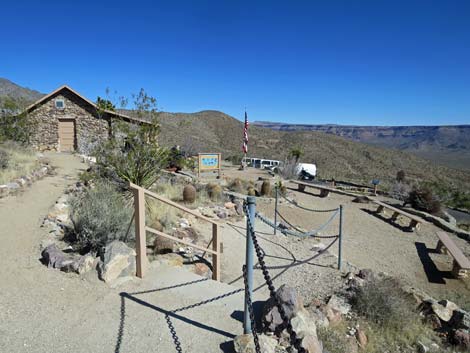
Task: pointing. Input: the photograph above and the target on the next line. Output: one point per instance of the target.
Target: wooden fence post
(140, 241)
(215, 258)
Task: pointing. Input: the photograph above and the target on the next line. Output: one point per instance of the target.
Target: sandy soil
(45, 310)
(370, 241)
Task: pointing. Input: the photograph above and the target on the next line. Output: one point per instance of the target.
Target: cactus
(189, 193)
(266, 188)
(214, 191)
(236, 185)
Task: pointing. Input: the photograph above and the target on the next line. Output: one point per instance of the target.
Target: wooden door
(66, 135)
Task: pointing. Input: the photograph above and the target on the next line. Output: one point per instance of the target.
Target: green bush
(133, 154)
(100, 215)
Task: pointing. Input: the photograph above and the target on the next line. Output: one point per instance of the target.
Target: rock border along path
(44, 310)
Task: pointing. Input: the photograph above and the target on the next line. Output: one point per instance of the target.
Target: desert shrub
(235, 159)
(401, 175)
(281, 187)
(383, 302)
(423, 199)
(288, 170)
(100, 215)
(4, 159)
(266, 188)
(334, 339)
(214, 191)
(14, 124)
(133, 154)
(189, 194)
(176, 158)
(400, 191)
(390, 315)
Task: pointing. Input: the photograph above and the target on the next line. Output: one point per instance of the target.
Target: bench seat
(461, 264)
(415, 222)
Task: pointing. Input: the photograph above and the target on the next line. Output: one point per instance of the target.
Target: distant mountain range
(343, 157)
(447, 145)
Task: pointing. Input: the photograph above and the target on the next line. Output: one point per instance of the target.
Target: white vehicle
(306, 171)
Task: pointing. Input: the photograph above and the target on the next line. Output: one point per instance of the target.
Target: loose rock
(117, 261)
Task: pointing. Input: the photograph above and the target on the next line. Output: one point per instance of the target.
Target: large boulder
(339, 304)
(291, 303)
(118, 260)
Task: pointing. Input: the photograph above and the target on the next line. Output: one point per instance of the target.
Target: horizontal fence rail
(141, 229)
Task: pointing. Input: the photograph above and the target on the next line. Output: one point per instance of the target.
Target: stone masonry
(90, 128)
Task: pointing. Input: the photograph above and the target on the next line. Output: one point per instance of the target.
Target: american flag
(245, 135)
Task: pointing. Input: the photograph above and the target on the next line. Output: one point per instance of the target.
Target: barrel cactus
(251, 191)
(266, 188)
(214, 191)
(189, 193)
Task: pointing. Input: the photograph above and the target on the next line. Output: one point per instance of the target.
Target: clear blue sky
(346, 62)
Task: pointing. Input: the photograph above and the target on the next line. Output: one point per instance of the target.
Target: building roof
(65, 87)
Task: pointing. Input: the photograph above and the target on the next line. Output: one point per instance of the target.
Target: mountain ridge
(446, 144)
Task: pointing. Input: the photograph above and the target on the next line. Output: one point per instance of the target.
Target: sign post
(208, 161)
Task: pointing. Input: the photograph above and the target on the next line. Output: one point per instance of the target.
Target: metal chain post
(275, 210)
(296, 342)
(340, 236)
(250, 217)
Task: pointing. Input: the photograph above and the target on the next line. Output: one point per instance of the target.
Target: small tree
(14, 122)
(401, 176)
(133, 154)
(296, 153)
(423, 199)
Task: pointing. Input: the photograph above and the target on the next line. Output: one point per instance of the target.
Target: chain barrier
(295, 342)
(312, 233)
(306, 208)
(251, 312)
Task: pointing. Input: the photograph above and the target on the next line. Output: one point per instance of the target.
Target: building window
(59, 103)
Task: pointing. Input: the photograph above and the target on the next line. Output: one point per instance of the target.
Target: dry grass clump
(16, 161)
(390, 316)
(157, 211)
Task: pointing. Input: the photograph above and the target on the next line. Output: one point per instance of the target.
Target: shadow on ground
(387, 220)
(173, 314)
(433, 274)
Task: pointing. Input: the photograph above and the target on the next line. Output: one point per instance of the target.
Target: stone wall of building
(89, 127)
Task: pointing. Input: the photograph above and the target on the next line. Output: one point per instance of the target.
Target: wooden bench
(461, 264)
(415, 222)
(324, 190)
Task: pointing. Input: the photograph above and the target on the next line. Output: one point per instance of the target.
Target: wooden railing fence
(141, 229)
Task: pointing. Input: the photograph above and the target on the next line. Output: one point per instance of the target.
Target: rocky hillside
(447, 145)
(18, 93)
(338, 157)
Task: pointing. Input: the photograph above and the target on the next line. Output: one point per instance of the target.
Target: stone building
(65, 121)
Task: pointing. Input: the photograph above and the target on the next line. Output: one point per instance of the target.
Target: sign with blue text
(209, 161)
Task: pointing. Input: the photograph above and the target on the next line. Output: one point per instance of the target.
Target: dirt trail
(44, 310)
